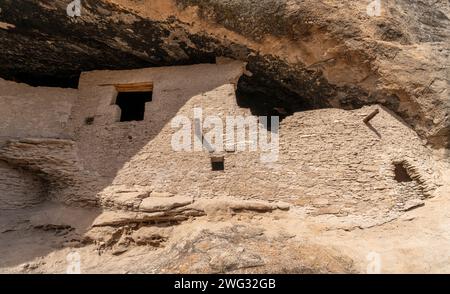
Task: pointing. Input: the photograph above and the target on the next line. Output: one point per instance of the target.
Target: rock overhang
(298, 55)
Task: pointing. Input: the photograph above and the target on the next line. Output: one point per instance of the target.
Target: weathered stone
(152, 204)
(413, 203)
(320, 66)
(152, 236)
(283, 205)
(161, 194)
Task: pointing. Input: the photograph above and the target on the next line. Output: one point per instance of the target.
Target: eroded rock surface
(341, 188)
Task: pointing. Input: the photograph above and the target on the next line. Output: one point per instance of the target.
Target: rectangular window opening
(131, 99)
(218, 163)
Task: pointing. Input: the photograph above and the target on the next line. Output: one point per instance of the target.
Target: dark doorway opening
(401, 173)
(132, 104)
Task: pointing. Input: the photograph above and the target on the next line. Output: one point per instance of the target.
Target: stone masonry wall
(331, 164)
(33, 111)
(26, 111)
(106, 145)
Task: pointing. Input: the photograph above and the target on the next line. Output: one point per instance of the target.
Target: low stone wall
(33, 111)
(28, 111)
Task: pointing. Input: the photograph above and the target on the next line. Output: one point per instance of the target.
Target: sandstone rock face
(301, 54)
(333, 169)
(242, 249)
(361, 165)
(152, 204)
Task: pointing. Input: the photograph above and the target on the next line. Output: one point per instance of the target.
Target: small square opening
(131, 99)
(218, 163)
(89, 120)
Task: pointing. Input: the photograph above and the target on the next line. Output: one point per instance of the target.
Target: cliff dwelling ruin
(89, 121)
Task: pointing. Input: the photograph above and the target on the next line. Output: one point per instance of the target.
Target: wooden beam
(134, 87)
(370, 116)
